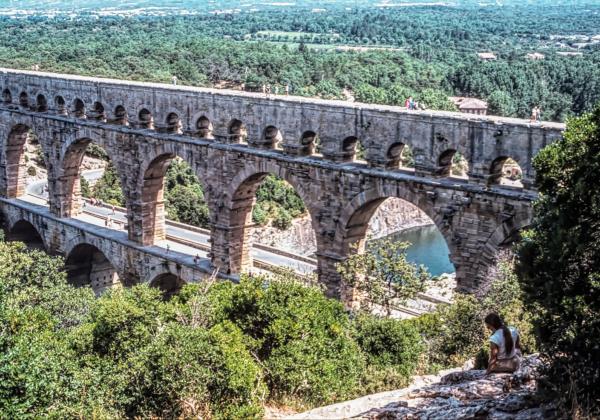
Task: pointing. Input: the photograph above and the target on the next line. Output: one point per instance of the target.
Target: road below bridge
(180, 238)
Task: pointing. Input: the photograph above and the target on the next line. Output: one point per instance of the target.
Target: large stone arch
(13, 167)
(355, 216)
(168, 283)
(149, 211)
(67, 201)
(23, 230)
(87, 263)
(352, 225)
(231, 227)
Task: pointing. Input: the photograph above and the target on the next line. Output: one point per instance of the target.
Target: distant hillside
(107, 7)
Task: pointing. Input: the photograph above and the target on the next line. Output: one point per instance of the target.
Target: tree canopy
(559, 263)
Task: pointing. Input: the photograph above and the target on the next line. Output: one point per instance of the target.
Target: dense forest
(372, 55)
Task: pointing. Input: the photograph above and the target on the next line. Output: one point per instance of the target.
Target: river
(428, 247)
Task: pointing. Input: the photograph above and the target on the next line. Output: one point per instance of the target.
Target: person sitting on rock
(505, 347)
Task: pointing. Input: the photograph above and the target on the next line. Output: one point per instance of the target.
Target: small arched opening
(6, 96)
(121, 117)
(169, 284)
(173, 124)
(308, 143)
(399, 156)
(97, 113)
(78, 108)
(41, 103)
(86, 265)
(506, 171)
(452, 163)
(352, 150)
(145, 119)
(349, 148)
(272, 137)
(204, 128)
(24, 231)
(60, 105)
(24, 100)
(237, 132)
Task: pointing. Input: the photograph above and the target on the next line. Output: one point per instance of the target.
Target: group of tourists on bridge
(413, 105)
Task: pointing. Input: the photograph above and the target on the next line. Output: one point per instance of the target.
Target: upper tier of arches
(309, 143)
(366, 135)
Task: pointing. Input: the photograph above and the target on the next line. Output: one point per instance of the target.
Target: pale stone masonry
(232, 140)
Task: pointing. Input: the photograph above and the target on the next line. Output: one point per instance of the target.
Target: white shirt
(498, 339)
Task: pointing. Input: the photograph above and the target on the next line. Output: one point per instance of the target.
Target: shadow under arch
(6, 96)
(24, 231)
(152, 191)
(239, 202)
(86, 265)
(120, 116)
(24, 100)
(69, 184)
(78, 108)
(41, 103)
(168, 283)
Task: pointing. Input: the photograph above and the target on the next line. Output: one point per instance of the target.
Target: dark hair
(495, 321)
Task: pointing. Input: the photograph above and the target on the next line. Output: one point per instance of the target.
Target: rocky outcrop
(456, 394)
(393, 215)
(299, 238)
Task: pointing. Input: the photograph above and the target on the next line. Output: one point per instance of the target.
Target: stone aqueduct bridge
(232, 140)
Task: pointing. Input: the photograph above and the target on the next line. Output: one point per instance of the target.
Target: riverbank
(392, 216)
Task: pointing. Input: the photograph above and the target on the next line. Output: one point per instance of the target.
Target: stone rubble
(472, 394)
(457, 395)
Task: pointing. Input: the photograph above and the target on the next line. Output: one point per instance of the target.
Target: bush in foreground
(218, 351)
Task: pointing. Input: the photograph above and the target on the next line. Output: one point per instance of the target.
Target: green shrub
(302, 337)
(31, 171)
(84, 185)
(108, 187)
(186, 204)
(193, 372)
(259, 214)
(454, 333)
(389, 342)
(124, 319)
(393, 349)
(96, 151)
(215, 350)
(37, 372)
(282, 220)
